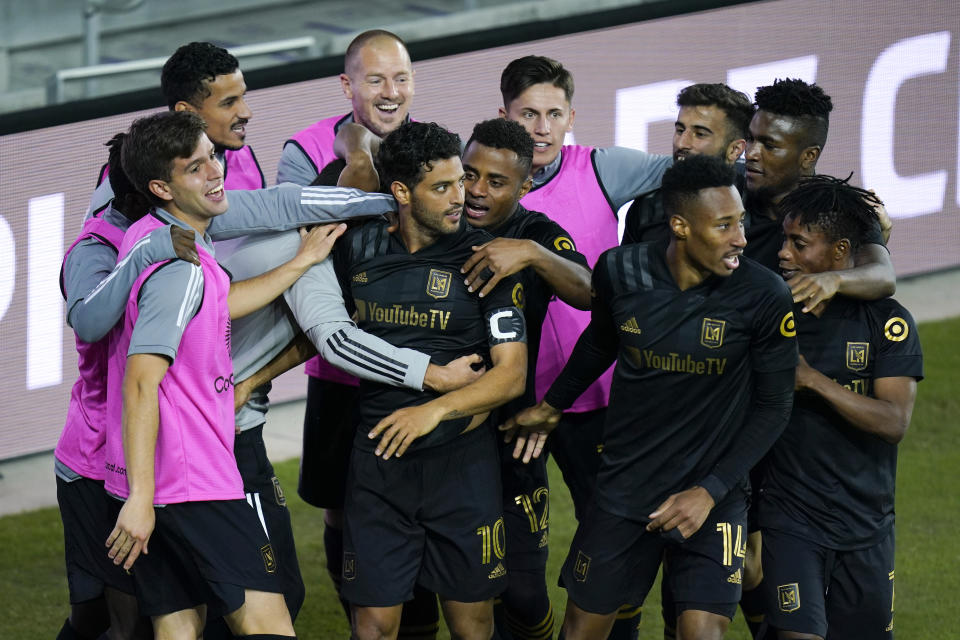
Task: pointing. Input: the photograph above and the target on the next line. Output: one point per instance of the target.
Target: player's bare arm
(871, 278)
(685, 511)
(887, 415)
(502, 257)
(502, 383)
(141, 419)
(254, 293)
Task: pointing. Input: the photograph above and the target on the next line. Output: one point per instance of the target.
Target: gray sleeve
(288, 206)
(625, 173)
(317, 304)
(169, 299)
(295, 166)
(101, 196)
(96, 297)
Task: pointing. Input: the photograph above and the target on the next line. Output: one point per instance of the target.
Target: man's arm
(288, 206)
(295, 166)
(872, 278)
(249, 295)
(625, 173)
(141, 421)
(887, 415)
(502, 383)
(98, 286)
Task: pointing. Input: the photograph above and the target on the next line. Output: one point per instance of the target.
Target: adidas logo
(361, 277)
(630, 326)
(736, 577)
(544, 540)
(498, 572)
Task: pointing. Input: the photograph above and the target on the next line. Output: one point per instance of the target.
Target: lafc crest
(788, 596)
(438, 283)
(858, 354)
(711, 333)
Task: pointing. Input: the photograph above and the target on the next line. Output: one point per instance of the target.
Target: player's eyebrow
(498, 176)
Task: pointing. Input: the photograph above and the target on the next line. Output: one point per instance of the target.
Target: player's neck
(414, 236)
(685, 274)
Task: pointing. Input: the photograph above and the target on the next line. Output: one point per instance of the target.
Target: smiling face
(225, 110)
(807, 249)
(703, 129)
(711, 228)
(494, 181)
(194, 192)
(546, 114)
(379, 83)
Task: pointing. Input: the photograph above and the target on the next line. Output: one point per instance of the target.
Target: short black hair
(500, 133)
(806, 103)
(154, 142)
(186, 73)
(735, 105)
(126, 199)
(684, 180)
(523, 73)
(834, 206)
(410, 149)
(358, 43)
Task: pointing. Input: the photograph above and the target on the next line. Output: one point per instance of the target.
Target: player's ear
(679, 227)
(345, 85)
(160, 189)
(502, 111)
(809, 157)
(183, 105)
(525, 187)
(735, 149)
(573, 114)
(400, 192)
(841, 250)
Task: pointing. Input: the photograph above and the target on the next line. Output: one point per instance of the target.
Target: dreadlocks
(834, 206)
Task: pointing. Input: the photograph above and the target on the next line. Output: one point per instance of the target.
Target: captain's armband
(505, 324)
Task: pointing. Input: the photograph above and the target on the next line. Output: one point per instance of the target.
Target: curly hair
(684, 180)
(126, 199)
(523, 73)
(834, 206)
(410, 149)
(735, 105)
(804, 102)
(154, 142)
(500, 133)
(187, 72)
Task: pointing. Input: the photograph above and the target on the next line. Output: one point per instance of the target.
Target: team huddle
(723, 389)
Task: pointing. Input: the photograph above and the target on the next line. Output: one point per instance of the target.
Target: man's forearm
(298, 351)
(879, 417)
(249, 295)
(570, 281)
(141, 420)
(872, 278)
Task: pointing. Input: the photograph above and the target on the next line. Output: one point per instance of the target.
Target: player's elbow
(895, 430)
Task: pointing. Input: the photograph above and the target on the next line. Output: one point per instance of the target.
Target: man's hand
(531, 427)
(813, 289)
(495, 260)
(132, 532)
(453, 375)
(685, 511)
(316, 244)
(886, 224)
(403, 426)
(805, 375)
(241, 393)
(184, 244)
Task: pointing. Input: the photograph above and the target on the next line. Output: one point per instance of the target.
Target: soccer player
(694, 322)
(581, 188)
(206, 79)
(169, 377)
(496, 164)
(101, 595)
(713, 120)
(378, 79)
(826, 509)
(423, 496)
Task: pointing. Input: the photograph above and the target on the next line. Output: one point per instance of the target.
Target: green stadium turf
(33, 589)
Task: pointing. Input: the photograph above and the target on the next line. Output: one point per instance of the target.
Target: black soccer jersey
(686, 367)
(828, 481)
(533, 225)
(418, 300)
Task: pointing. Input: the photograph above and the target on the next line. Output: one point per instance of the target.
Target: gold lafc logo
(788, 596)
(563, 243)
(711, 333)
(269, 559)
(631, 326)
(349, 565)
(896, 329)
(858, 353)
(581, 567)
(438, 283)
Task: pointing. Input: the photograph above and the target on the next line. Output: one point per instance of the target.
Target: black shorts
(88, 519)
(265, 495)
(614, 561)
(432, 517)
(526, 509)
(808, 588)
(203, 553)
(575, 444)
(331, 417)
